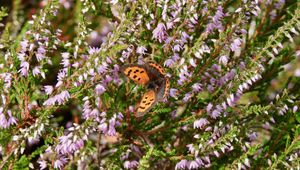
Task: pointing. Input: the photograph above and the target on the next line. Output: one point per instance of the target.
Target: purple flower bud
(236, 44)
(173, 92)
(217, 154)
(193, 165)
(3, 121)
(252, 136)
(48, 89)
(134, 164)
(209, 107)
(99, 89)
(42, 164)
(223, 60)
(141, 50)
(215, 114)
(12, 120)
(169, 63)
(103, 127)
(60, 162)
(159, 33)
(197, 87)
(126, 165)
(181, 165)
(93, 50)
(24, 68)
(201, 123)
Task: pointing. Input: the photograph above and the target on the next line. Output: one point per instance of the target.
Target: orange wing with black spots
(147, 102)
(137, 73)
(159, 68)
(167, 87)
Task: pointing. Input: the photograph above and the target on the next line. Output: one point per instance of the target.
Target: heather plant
(233, 102)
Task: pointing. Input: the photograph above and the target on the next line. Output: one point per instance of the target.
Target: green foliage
(22, 163)
(3, 13)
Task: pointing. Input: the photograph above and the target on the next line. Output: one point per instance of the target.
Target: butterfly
(153, 77)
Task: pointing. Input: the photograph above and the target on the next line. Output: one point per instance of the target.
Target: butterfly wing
(147, 102)
(167, 87)
(163, 89)
(137, 73)
(159, 68)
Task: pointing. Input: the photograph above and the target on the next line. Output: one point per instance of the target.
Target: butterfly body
(152, 76)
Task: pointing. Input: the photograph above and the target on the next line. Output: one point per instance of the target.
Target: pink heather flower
(279, 4)
(50, 102)
(191, 148)
(120, 116)
(65, 3)
(130, 164)
(173, 92)
(215, 114)
(24, 45)
(21, 56)
(94, 50)
(40, 55)
(199, 161)
(159, 33)
(48, 89)
(193, 165)
(207, 159)
(59, 163)
(209, 107)
(193, 62)
(59, 98)
(24, 68)
(102, 69)
(12, 120)
(169, 63)
(266, 126)
(68, 146)
(61, 75)
(236, 44)
(134, 164)
(65, 61)
(141, 50)
(295, 108)
(106, 81)
(126, 165)
(187, 97)
(177, 48)
(41, 50)
(201, 123)
(3, 122)
(297, 53)
(42, 164)
(181, 165)
(217, 154)
(223, 60)
(131, 109)
(196, 87)
(247, 163)
(99, 89)
(63, 97)
(94, 113)
(252, 136)
(216, 21)
(103, 127)
(37, 70)
(111, 131)
(184, 37)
